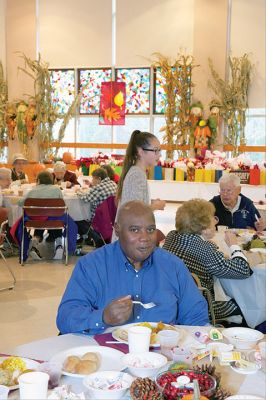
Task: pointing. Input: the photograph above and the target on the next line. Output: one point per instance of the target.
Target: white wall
(76, 33)
(148, 26)
(248, 36)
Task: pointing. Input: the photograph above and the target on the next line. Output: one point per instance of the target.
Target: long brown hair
(137, 140)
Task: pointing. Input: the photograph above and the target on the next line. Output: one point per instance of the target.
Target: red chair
(3, 227)
(35, 216)
(104, 218)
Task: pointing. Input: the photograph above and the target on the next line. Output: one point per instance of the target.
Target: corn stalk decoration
(233, 98)
(46, 115)
(178, 85)
(3, 103)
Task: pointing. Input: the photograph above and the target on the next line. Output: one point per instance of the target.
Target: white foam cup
(33, 385)
(139, 339)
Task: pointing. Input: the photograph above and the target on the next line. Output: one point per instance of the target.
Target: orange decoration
(30, 120)
(67, 157)
(190, 397)
(37, 168)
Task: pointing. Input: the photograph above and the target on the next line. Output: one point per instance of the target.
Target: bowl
(176, 384)
(144, 365)
(105, 385)
(242, 338)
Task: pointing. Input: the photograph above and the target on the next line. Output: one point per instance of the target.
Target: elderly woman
(195, 226)
(5, 181)
(233, 208)
(18, 175)
(61, 174)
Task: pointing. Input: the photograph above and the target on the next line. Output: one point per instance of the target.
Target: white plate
(120, 334)
(244, 397)
(110, 358)
(30, 364)
(258, 250)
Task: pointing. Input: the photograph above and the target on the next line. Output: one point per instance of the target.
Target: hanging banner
(112, 103)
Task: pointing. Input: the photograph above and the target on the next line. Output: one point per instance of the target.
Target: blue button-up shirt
(106, 274)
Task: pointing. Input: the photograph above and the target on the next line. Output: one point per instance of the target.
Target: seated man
(104, 282)
(18, 175)
(46, 190)
(233, 208)
(5, 181)
(101, 188)
(61, 174)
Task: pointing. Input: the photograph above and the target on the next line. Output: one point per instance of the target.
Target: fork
(144, 305)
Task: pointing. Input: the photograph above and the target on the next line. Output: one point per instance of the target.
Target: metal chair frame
(52, 207)
(2, 239)
(208, 296)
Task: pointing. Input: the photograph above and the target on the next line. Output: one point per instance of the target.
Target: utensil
(145, 305)
(196, 394)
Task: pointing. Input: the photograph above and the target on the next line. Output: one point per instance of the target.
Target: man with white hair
(233, 208)
(61, 174)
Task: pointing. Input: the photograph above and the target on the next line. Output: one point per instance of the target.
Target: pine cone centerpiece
(144, 389)
(220, 393)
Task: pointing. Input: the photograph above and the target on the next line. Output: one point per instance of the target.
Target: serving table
(183, 191)
(44, 349)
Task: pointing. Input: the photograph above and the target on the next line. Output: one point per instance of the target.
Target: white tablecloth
(77, 208)
(44, 349)
(182, 191)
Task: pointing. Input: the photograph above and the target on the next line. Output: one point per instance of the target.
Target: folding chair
(44, 214)
(207, 295)
(104, 219)
(3, 227)
(4, 224)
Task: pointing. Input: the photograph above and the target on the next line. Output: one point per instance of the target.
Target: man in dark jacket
(233, 208)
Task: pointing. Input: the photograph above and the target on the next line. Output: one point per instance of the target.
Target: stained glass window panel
(90, 81)
(137, 89)
(159, 92)
(63, 89)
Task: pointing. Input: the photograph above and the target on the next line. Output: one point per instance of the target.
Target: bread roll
(70, 364)
(95, 357)
(86, 367)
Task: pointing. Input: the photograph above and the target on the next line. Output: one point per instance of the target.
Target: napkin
(106, 337)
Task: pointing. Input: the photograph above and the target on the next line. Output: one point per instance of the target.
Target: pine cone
(144, 389)
(210, 369)
(221, 394)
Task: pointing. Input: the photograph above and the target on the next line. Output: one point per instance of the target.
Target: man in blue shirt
(100, 291)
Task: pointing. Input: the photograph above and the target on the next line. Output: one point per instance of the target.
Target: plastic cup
(222, 228)
(262, 348)
(33, 385)
(139, 339)
(54, 372)
(4, 392)
(168, 339)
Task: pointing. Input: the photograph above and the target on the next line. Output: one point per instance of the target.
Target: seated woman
(61, 174)
(195, 226)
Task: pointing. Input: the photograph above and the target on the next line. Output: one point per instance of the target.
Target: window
(255, 131)
(63, 84)
(137, 89)
(90, 81)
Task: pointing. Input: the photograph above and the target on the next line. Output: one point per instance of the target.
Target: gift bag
(150, 173)
(158, 173)
(179, 175)
(118, 170)
(262, 177)
(218, 174)
(168, 174)
(208, 175)
(93, 167)
(254, 176)
(199, 175)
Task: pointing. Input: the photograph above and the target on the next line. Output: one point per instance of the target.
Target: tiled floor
(28, 312)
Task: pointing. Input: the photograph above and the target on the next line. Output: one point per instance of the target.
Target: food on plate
(70, 364)
(10, 369)
(254, 243)
(5, 377)
(83, 365)
(155, 329)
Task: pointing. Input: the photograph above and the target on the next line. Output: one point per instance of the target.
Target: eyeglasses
(226, 191)
(156, 151)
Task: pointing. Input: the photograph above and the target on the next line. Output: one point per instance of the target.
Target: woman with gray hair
(195, 226)
(233, 208)
(61, 174)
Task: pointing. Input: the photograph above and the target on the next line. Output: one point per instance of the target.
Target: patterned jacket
(203, 258)
(97, 194)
